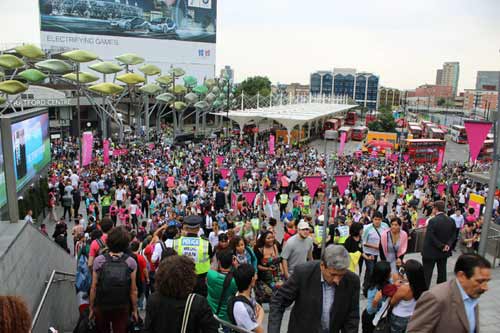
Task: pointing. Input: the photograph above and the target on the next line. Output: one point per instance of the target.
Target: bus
(425, 124)
(392, 138)
(415, 131)
(347, 130)
(486, 152)
(436, 133)
(371, 117)
(359, 133)
(458, 134)
(351, 118)
(331, 124)
(424, 150)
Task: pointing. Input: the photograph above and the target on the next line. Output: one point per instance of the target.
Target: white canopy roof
(288, 115)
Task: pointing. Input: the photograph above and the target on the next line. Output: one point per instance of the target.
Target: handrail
(45, 293)
(231, 326)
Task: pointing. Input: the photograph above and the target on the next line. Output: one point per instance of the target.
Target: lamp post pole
(330, 170)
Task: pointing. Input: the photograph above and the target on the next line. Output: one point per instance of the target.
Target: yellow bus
(381, 136)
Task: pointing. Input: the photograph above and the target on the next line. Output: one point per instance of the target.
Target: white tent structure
(289, 115)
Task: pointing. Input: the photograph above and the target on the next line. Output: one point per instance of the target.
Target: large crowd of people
(166, 235)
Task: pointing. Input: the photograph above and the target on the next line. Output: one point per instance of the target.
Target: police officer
(283, 200)
(196, 247)
(306, 201)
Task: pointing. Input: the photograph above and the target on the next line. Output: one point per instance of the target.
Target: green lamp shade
(130, 59)
(191, 98)
(30, 51)
(107, 88)
(165, 79)
(55, 66)
(10, 61)
(80, 56)
(150, 69)
(190, 81)
(177, 71)
(2, 100)
(166, 98)
(217, 104)
(210, 83)
(150, 89)
(181, 90)
(131, 78)
(200, 90)
(201, 105)
(216, 90)
(106, 67)
(210, 98)
(179, 106)
(32, 75)
(82, 77)
(12, 87)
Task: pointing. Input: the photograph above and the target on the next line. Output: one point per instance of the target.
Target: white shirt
(74, 179)
(158, 250)
(459, 220)
(119, 194)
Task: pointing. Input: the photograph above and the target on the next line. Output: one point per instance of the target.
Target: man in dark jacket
(326, 296)
(438, 242)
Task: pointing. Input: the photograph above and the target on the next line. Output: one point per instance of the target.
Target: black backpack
(230, 306)
(113, 285)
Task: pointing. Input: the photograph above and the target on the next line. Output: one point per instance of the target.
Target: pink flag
(426, 179)
(476, 134)
(220, 160)
(358, 153)
(394, 157)
(312, 183)
(234, 200)
(342, 183)
(271, 144)
(388, 155)
(440, 160)
(406, 157)
(240, 172)
(441, 188)
(249, 197)
(224, 173)
(374, 153)
(271, 195)
(87, 143)
(207, 160)
(105, 151)
(151, 146)
(455, 187)
(343, 136)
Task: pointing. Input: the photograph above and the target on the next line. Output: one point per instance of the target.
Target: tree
(385, 121)
(441, 102)
(253, 85)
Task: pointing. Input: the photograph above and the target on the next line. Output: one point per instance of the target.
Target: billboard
(30, 147)
(179, 33)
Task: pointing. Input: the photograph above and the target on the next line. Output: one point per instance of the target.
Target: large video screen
(31, 148)
(185, 20)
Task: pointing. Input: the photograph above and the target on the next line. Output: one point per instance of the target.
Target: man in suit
(453, 306)
(326, 296)
(438, 242)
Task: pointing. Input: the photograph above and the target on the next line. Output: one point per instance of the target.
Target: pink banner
(151, 146)
(394, 157)
(105, 151)
(271, 144)
(476, 134)
(441, 188)
(87, 143)
(342, 183)
(271, 195)
(426, 179)
(374, 153)
(358, 153)
(207, 160)
(343, 136)
(476, 206)
(455, 187)
(249, 197)
(220, 160)
(240, 172)
(440, 160)
(224, 173)
(118, 152)
(312, 183)
(406, 157)
(388, 156)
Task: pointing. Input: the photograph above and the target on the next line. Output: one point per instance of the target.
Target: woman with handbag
(173, 307)
(269, 267)
(393, 244)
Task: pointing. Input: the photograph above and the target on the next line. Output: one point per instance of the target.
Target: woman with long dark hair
(404, 300)
(380, 278)
(269, 266)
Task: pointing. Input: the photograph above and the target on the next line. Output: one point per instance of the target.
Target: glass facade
(487, 80)
(360, 88)
(344, 85)
(327, 84)
(315, 84)
(372, 92)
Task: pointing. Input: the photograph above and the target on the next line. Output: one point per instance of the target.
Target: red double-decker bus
(424, 150)
(351, 118)
(359, 133)
(486, 152)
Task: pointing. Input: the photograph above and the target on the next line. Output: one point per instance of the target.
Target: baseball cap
(303, 225)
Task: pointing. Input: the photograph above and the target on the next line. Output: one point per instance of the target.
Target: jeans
(429, 268)
(398, 324)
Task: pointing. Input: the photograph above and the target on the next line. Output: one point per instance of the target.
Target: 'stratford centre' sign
(44, 102)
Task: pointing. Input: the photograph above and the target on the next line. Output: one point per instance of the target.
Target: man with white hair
(326, 296)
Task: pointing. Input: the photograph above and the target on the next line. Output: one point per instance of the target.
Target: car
(162, 24)
(129, 23)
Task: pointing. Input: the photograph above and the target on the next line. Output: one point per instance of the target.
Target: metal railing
(50, 283)
(496, 254)
(232, 327)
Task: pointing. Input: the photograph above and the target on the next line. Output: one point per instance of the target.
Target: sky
(402, 41)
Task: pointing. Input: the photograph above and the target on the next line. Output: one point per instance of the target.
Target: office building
(297, 90)
(450, 75)
(362, 87)
(439, 77)
(487, 80)
(389, 96)
(480, 100)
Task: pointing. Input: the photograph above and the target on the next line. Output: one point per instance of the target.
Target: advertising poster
(3, 190)
(31, 148)
(181, 33)
(475, 201)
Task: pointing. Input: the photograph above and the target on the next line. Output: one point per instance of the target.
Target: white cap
(303, 225)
